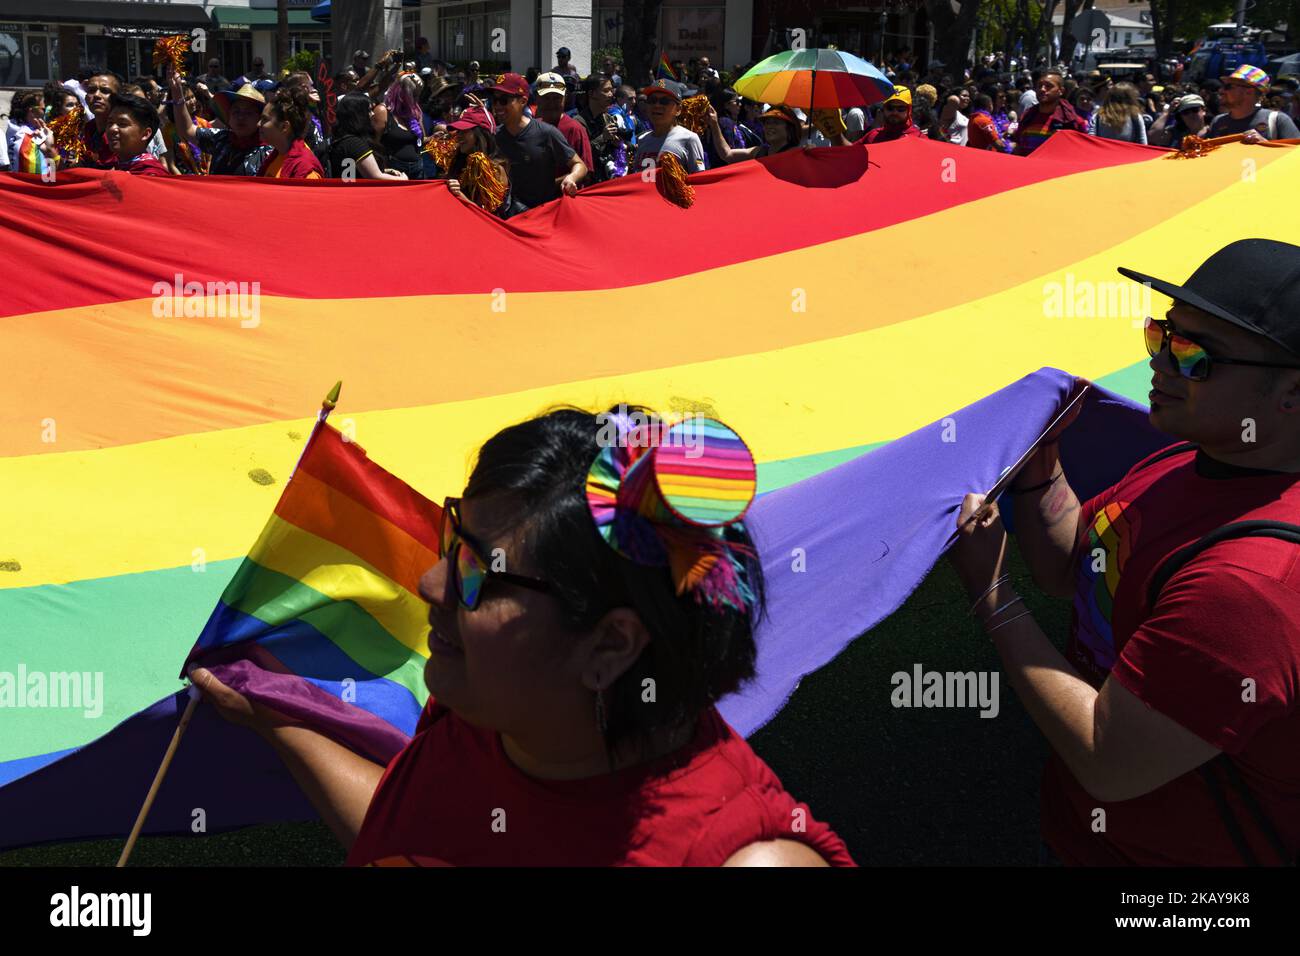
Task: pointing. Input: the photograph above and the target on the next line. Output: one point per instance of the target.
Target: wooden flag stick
(195, 697)
(326, 407)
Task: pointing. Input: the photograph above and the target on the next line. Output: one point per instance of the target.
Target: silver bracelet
(1009, 620)
(1014, 600)
(989, 590)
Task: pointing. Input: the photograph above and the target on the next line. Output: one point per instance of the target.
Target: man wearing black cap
(1174, 714)
(562, 64)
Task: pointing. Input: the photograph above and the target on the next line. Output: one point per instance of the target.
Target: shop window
(12, 72)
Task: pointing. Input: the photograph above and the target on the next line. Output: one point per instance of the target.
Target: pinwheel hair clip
(667, 494)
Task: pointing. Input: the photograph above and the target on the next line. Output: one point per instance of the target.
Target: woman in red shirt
(595, 596)
(283, 125)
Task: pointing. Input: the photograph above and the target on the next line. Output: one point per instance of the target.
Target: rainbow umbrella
(815, 79)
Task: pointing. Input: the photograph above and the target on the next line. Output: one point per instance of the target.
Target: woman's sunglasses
(1193, 361)
(469, 569)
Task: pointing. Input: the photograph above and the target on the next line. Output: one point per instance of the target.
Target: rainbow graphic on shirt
(1101, 566)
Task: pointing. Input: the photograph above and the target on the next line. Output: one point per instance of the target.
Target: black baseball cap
(1252, 283)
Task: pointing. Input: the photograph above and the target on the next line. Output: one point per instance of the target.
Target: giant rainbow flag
(167, 339)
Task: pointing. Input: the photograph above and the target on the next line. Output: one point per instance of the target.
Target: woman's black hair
(352, 116)
(696, 654)
(491, 150)
(291, 105)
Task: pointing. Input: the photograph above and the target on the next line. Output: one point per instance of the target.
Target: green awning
(242, 18)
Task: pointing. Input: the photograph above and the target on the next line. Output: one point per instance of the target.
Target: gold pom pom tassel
(171, 51)
(670, 180)
(695, 114)
(442, 147)
(67, 135)
(482, 183)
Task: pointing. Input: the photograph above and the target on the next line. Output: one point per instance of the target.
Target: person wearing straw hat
(1240, 97)
(235, 151)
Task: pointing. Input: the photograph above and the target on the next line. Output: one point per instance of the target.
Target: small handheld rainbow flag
(323, 620)
(28, 156)
(665, 69)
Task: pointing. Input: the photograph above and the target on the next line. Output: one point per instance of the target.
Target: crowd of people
(512, 142)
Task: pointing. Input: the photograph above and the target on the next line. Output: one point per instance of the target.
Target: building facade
(42, 40)
(521, 33)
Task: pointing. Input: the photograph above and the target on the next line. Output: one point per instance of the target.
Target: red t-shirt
(576, 136)
(145, 164)
(1231, 613)
(983, 132)
(452, 797)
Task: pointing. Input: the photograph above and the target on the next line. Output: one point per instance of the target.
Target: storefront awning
(242, 18)
(102, 12)
(321, 12)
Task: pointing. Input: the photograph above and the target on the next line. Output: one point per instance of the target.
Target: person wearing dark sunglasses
(663, 106)
(895, 118)
(1174, 713)
(573, 676)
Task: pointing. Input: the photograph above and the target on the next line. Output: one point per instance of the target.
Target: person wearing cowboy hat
(1240, 98)
(237, 150)
(664, 103)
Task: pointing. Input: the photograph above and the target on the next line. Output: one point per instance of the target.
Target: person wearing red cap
(476, 133)
(664, 100)
(1174, 713)
(534, 148)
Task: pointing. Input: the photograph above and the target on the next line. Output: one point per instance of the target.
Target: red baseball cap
(475, 117)
(512, 84)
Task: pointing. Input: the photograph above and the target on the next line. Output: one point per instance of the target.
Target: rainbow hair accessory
(668, 494)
